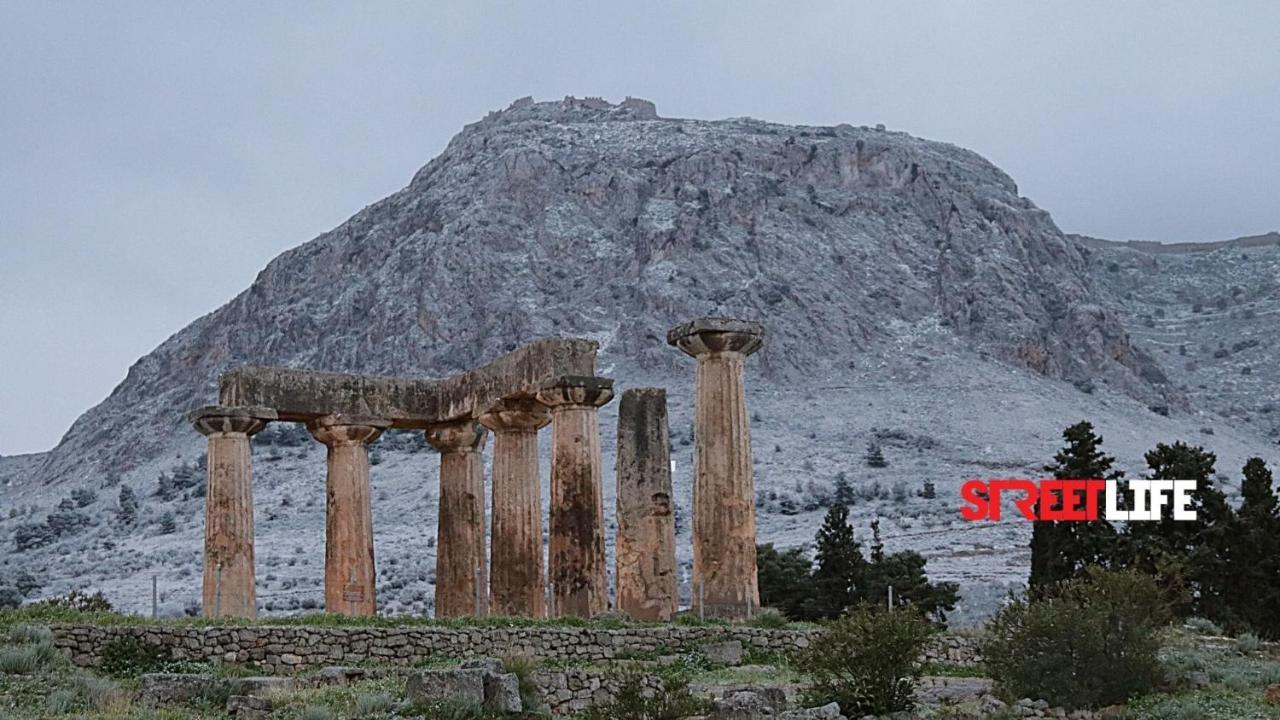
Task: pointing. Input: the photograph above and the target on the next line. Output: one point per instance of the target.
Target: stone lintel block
(461, 436)
(717, 335)
(219, 419)
(417, 404)
(579, 390)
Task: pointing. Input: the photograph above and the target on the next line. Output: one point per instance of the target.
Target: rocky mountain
(914, 300)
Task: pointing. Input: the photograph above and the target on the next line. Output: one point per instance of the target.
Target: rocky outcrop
(582, 218)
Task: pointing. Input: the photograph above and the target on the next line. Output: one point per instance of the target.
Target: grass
(1236, 681)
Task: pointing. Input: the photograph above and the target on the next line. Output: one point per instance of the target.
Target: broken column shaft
(576, 550)
(461, 580)
(724, 522)
(646, 542)
(228, 517)
(349, 575)
(516, 580)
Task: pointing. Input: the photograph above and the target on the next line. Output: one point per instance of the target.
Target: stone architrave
(228, 515)
(724, 521)
(517, 585)
(646, 543)
(461, 580)
(349, 575)
(576, 555)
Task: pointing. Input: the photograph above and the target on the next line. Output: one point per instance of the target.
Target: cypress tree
(1255, 577)
(1060, 550)
(841, 570)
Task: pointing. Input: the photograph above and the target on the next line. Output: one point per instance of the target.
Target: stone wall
(569, 691)
(282, 649)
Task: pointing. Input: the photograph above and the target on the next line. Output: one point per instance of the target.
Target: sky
(155, 156)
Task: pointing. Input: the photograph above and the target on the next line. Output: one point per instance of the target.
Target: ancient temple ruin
(547, 382)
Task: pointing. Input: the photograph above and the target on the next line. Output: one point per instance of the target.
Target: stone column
(228, 511)
(579, 580)
(724, 518)
(516, 582)
(349, 576)
(646, 544)
(461, 581)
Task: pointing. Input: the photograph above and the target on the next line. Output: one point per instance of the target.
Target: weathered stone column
(349, 576)
(646, 544)
(579, 580)
(461, 586)
(516, 582)
(724, 518)
(228, 511)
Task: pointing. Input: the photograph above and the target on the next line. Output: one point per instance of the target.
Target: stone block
(464, 685)
(502, 693)
(243, 707)
(728, 652)
(171, 688)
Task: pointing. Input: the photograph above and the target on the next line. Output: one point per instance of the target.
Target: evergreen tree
(843, 492)
(1191, 558)
(840, 574)
(1059, 550)
(904, 572)
(1255, 575)
(168, 525)
(874, 456)
(783, 578)
(128, 512)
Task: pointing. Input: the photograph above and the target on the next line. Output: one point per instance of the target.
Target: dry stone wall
(283, 649)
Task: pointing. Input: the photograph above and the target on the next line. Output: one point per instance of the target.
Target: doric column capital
(706, 336)
(337, 430)
(463, 436)
(576, 390)
(220, 420)
(516, 415)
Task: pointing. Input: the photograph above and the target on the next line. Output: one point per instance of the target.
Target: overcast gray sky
(154, 157)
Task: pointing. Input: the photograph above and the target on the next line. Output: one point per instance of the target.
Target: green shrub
(868, 661)
(1248, 643)
(60, 702)
(769, 619)
(78, 601)
(634, 701)
(1203, 626)
(25, 633)
(130, 656)
(1085, 642)
(523, 666)
(26, 659)
(93, 691)
(316, 712)
(374, 704)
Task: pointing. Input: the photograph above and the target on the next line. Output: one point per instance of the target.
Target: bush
(868, 661)
(374, 704)
(1248, 643)
(634, 701)
(26, 659)
(316, 712)
(1086, 642)
(25, 633)
(769, 619)
(78, 601)
(523, 666)
(10, 598)
(130, 656)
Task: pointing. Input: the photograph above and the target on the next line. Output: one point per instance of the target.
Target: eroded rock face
(582, 218)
